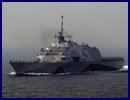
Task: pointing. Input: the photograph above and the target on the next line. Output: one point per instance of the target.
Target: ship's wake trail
(124, 68)
(12, 73)
(30, 74)
(37, 74)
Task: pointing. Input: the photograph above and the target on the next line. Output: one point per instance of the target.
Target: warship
(67, 56)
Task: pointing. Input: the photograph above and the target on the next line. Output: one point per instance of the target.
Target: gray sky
(29, 25)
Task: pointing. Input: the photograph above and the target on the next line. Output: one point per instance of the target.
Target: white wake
(124, 68)
(38, 74)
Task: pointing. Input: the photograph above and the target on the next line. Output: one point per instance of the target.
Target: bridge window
(51, 54)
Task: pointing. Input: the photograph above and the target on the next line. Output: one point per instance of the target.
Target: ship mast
(61, 37)
(62, 25)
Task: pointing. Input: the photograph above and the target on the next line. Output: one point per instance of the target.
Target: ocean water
(96, 84)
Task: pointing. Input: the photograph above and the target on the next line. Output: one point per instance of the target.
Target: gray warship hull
(71, 67)
(27, 67)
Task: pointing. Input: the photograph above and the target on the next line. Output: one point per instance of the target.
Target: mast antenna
(62, 25)
(61, 37)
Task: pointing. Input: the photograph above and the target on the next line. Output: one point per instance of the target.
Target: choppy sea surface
(96, 84)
